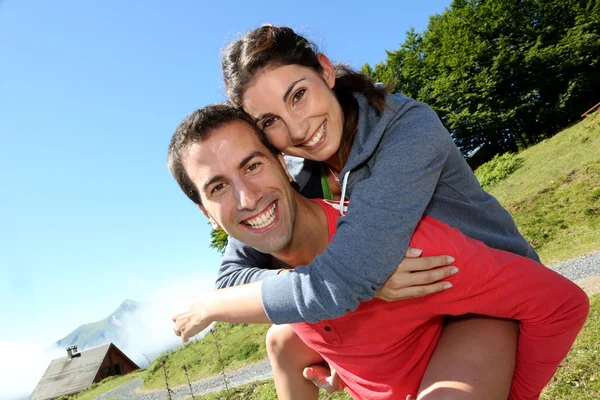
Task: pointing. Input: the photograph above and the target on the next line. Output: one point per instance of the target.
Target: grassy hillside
(554, 193)
(240, 345)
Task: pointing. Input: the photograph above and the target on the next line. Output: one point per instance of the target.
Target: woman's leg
(289, 355)
(474, 359)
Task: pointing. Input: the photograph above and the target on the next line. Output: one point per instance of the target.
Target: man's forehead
(224, 151)
(234, 139)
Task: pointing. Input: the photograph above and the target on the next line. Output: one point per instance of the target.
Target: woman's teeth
(264, 219)
(316, 137)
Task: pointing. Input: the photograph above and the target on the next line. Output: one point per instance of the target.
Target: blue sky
(90, 93)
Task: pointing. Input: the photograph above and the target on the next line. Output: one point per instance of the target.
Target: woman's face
(297, 109)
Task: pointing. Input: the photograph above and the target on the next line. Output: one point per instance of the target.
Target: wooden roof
(65, 377)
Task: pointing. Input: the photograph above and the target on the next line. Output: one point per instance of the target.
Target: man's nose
(248, 196)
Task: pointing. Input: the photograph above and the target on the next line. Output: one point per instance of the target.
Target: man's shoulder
(333, 207)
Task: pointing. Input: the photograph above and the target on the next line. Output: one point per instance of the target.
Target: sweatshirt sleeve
(372, 238)
(242, 264)
(550, 308)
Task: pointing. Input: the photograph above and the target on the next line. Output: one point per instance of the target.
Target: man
(225, 165)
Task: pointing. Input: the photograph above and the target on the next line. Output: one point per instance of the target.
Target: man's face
(243, 187)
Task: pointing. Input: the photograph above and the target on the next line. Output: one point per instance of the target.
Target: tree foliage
(503, 72)
(218, 240)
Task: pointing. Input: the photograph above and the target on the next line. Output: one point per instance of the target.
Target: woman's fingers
(412, 252)
(423, 263)
(417, 277)
(402, 280)
(434, 275)
(412, 291)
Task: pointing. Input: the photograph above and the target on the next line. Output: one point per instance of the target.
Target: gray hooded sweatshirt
(403, 165)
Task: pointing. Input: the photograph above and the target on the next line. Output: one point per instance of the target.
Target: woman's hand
(191, 321)
(417, 277)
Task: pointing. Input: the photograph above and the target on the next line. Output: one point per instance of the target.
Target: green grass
(240, 345)
(112, 382)
(554, 193)
(579, 375)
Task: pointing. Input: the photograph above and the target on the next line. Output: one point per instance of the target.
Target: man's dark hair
(197, 127)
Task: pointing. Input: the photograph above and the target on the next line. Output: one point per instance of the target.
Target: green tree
(503, 72)
(218, 240)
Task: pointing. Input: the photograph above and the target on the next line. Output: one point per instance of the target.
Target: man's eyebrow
(249, 157)
(212, 180)
(290, 88)
(242, 163)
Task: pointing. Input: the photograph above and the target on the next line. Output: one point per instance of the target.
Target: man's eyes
(253, 167)
(217, 188)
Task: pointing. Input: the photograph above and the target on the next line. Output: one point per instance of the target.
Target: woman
(400, 161)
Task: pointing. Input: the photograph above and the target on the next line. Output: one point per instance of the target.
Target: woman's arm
(371, 240)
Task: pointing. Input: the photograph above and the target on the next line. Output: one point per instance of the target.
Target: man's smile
(265, 220)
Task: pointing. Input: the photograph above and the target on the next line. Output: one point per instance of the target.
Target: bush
(497, 169)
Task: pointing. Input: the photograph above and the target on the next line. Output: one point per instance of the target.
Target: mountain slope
(109, 329)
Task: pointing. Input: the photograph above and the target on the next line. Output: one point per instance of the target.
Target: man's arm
(239, 304)
(242, 264)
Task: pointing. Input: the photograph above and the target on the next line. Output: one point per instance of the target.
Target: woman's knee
(281, 341)
(474, 359)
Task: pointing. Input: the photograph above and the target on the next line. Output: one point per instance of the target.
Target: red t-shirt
(381, 349)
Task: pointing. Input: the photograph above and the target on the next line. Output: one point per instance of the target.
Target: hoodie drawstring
(343, 197)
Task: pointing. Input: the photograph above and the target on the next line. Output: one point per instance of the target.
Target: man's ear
(284, 166)
(328, 70)
(214, 223)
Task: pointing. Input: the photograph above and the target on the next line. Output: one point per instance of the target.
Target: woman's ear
(328, 70)
(214, 223)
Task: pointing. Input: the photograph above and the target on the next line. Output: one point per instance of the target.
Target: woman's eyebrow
(290, 88)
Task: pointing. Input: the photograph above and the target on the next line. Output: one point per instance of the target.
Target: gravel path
(576, 270)
(581, 267)
(130, 391)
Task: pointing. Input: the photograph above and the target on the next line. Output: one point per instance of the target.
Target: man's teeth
(316, 137)
(262, 220)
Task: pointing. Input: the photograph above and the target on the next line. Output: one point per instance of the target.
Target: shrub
(497, 169)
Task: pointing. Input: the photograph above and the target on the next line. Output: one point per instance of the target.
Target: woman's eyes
(268, 122)
(295, 99)
(298, 96)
